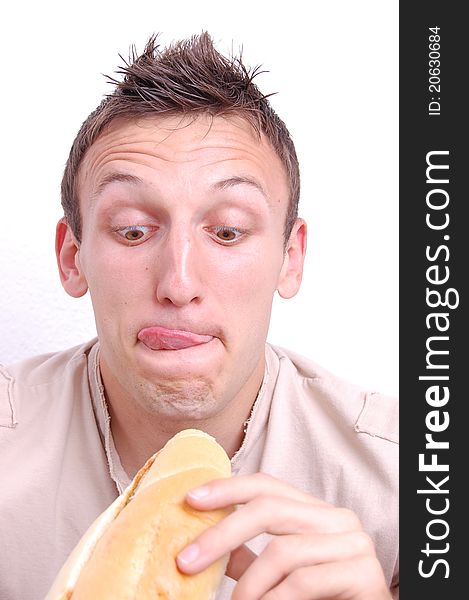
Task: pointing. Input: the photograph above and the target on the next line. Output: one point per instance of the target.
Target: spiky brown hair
(188, 77)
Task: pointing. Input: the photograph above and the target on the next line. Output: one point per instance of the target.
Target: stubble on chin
(177, 399)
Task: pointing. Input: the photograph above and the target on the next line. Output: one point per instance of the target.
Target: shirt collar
(256, 425)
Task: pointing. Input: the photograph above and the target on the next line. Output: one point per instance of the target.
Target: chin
(178, 399)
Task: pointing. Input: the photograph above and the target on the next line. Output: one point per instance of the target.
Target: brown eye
(133, 235)
(227, 235)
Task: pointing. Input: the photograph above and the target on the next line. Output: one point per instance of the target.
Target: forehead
(196, 150)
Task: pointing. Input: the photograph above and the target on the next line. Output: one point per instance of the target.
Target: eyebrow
(240, 180)
(223, 184)
(116, 177)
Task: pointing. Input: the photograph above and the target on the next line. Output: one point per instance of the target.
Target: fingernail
(200, 492)
(189, 554)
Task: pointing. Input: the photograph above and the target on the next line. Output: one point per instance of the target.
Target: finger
(359, 579)
(273, 515)
(241, 489)
(285, 554)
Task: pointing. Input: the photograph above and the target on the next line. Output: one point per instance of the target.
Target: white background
(334, 66)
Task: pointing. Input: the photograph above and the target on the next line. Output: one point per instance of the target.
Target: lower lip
(160, 338)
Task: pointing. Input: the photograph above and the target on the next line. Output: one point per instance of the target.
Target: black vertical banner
(434, 262)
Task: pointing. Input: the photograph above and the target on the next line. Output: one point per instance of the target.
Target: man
(180, 199)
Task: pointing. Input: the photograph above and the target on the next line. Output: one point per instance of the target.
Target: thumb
(240, 559)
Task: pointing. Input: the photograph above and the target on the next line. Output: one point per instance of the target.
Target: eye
(134, 233)
(227, 234)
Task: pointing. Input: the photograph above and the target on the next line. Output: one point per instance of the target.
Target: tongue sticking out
(160, 338)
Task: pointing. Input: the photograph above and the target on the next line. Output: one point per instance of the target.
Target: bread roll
(130, 550)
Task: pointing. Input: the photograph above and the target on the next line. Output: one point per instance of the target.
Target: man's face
(182, 250)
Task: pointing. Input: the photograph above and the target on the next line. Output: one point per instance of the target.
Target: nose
(179, 266)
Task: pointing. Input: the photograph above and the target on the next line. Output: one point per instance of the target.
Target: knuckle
(368, 575)
(263, 504)
(264, 478)
(296, 585)
(297, 581)
(348, 519)
(277, 553)
(275, 547)
(363, 543)
(262, 509)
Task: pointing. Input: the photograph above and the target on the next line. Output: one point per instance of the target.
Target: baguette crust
(130, 550)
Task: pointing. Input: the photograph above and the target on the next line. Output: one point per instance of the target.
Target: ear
(292, 269)
(67, 251)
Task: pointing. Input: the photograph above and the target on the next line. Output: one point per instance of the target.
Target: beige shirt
(59, 468)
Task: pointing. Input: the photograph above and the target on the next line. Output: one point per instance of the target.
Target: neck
(138, 434)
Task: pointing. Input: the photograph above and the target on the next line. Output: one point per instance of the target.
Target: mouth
(160, 338)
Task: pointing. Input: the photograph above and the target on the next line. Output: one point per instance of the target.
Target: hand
(319, 551)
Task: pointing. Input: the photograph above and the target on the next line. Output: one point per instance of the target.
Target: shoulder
(368, 412)
(28, 377)
(339, 443)
(44, 367)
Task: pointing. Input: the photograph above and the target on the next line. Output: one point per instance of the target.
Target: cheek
(248, 283)
(115, 279)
